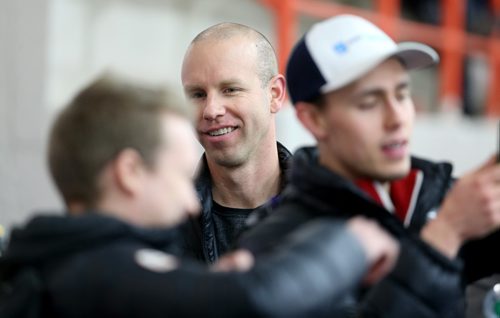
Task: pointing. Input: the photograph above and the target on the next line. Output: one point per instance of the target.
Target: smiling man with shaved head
(230, 73)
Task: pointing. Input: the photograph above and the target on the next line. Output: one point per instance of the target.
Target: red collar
(402, 195)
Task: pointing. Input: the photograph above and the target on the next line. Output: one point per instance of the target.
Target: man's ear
(312, 118)
(128, 171)
(277, 86)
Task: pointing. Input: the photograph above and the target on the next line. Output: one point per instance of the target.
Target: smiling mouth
(394, 145)
(222, 131)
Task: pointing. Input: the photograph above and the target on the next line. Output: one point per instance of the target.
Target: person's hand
(381, 249)
(470, 210)
(238, 260)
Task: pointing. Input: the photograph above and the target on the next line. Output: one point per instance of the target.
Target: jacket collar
(50, 236)
(311, 181)
(203, 184)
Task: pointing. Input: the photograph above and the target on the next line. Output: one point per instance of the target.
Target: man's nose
(395, 111)
(214, 107)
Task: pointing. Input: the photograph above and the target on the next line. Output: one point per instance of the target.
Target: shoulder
(442, 168)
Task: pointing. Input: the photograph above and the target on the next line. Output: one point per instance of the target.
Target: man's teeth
(221, 131)
(394, 145)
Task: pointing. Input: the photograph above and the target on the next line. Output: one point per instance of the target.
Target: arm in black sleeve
(269, 233)
(319, 262)
(423, 284)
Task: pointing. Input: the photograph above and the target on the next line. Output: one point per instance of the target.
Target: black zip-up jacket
(424, 282)
(200, 240)
(97, 266)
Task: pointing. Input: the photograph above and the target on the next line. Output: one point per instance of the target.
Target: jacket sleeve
(318, 263)
(265, 237)
(423, 284)
(321, 262)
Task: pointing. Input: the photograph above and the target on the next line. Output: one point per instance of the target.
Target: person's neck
(249, 185)
(119, 206)
(334, 167)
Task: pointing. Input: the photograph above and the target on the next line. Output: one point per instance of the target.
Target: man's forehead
(387, 74)
(238, 50)
(377, 81)
(230, 44)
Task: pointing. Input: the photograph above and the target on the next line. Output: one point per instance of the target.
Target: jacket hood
(309, 176)
(49, 236)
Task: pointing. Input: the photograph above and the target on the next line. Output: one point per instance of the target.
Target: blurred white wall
(23, 112)
(50, 48)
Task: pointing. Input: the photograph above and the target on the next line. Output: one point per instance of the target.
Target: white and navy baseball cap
(338, 51)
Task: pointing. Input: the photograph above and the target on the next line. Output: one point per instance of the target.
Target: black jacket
(200, 240)
(96, 266)
(424, 282)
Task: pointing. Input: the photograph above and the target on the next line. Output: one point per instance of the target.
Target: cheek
(352, 138)
(198, 115)
(411, 116)
(258, 108)
(184, 193)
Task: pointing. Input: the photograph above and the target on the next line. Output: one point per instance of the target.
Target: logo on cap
(340, 48)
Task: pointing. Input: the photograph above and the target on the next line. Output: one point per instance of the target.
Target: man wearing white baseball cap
(340, 50)
(350, 86)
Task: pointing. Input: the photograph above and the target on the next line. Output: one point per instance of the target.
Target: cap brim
(416, 55)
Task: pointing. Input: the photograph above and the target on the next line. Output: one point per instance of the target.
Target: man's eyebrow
(230, 81)
(369, 92)
(404, 84)
(190, 88)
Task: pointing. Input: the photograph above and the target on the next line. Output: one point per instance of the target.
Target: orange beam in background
(493, 98)
(286, 26)
(323, 10)
(495, 5)
(453, 39)
(389, 12)
(449, 38)
(421, 32)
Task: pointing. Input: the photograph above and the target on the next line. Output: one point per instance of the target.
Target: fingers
(377, 271)
(492, 174)
(471, 209)
(492, 161)
(381, 249)
(239, 260)
(383, 265)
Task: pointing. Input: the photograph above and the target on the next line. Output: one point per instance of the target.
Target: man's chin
(395, 174)
(228, 161)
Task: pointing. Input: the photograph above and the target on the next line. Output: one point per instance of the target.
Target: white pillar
(24, 181)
